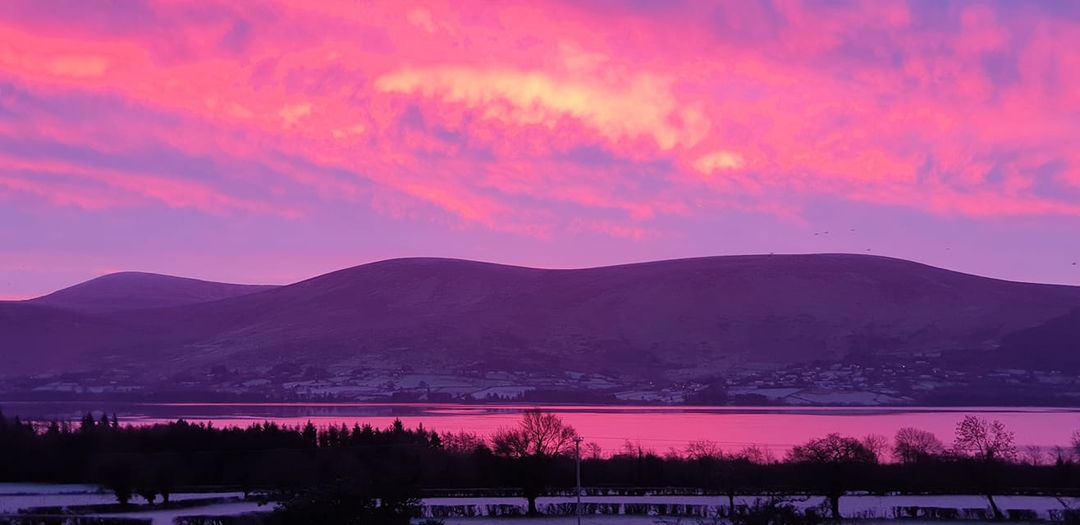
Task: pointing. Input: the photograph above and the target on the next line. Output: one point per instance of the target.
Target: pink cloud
(478, 110)
(129, 187)
(625, 110)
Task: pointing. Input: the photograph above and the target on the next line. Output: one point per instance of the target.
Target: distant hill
(137, 290)
(37, 338)
(665, 319)
(1055, 343)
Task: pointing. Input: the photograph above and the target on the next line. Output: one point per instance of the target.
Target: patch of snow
(8, 489)
(169, 516)
(502, 391)
(54, 496)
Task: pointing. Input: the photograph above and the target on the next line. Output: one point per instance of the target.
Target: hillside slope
(640, 320)
(137, 290)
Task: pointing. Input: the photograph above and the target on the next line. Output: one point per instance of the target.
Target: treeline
(346, 470)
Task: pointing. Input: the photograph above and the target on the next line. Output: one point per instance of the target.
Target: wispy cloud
(615, 118)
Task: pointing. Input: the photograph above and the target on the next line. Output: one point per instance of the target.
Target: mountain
(36, 338)
(137, 290)
(1056, 341)
(648, 322)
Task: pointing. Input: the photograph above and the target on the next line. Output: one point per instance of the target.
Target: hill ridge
(133, 290)
(652, 322)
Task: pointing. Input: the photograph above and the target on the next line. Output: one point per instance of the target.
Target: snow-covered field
(18, 496)
(167, 517)
(617, 510)
(7, 489)
(632, 520)
(854, 506)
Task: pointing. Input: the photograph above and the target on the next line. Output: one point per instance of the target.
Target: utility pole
(577, 454)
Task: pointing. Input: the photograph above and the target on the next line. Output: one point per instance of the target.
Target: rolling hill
(656, 320)
(136, 290)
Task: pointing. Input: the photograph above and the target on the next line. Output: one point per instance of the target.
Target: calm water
(658, 428)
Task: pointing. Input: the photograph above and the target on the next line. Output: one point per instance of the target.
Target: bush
(775, 511)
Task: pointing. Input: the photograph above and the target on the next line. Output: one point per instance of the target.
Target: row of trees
(836, 462)
(380, 473)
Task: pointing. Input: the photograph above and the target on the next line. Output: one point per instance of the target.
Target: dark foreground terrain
(377, 475)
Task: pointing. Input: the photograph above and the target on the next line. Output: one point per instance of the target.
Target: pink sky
(271, 141)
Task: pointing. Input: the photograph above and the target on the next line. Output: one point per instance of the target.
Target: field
(599, 510)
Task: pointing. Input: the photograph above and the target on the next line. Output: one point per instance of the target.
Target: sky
(268, 142)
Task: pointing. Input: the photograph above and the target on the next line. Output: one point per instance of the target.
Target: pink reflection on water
(656, 428)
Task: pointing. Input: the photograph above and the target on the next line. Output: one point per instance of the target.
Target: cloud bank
(617, 118)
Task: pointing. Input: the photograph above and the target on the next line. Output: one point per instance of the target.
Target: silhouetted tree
(990, 445)
(986, 440)
(878, 444)
(913, 445)
(462, 442)
(310, 435)
(704, 450)
(290, 460)
(147, 492)
(118, 477)
(1075, 442)
(735, 474)
(837, 461)
(538, 439)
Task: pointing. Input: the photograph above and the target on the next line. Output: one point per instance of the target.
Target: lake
(653, 427)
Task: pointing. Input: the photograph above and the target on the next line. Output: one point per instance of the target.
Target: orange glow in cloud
(641, 106)
(528, 120)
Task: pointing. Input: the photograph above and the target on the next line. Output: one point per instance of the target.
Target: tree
(310, 435)
(1034, 455)
(757, 455)
(119, 477)
(990, 444)
(1076, 442)
(878, 444)
(986, 440)
(913, 445)
(836, 461)
(166, 474)
(147, 492)
(538, 434)
(462, 442)
(539, 438)
(593, 451)
(86, 425)
(735, 473)
(704, 450)
(832, 449)
(709, 458)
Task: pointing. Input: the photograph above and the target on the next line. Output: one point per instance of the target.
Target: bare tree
(990, 444)
(704, 449)
(987, 440)
(635, 450)
(1034, 455)
(913, 445)
(832, 448)
(1062, 455)
(538, 434)
(756, 454)
(538, 439)
(878, 444)
(593, 451)
(836, 461)
(1076, 441)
